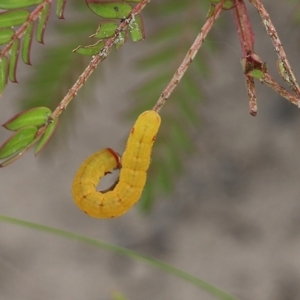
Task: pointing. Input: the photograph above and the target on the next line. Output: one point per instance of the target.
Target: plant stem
(269, 81)
(189, 57)
(251, 95)
(93, 65)
(244, 28)
(246, 38)
(287, 73)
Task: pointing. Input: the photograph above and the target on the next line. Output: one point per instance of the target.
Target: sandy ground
(233, 219)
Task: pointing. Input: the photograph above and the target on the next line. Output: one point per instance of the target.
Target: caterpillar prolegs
(134, 164)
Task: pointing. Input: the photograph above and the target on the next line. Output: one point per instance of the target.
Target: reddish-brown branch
(251, 95)
(93, 65)
(246, 38)
(244, 28)
(269, 81)
(189, 57)
(287, 73)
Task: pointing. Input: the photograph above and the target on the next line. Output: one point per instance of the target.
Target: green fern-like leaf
(118, 11)
(58, 68)
(18, 23)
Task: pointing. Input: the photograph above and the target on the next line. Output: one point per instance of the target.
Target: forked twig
(246, 38)
(269, 81)
(286, 73)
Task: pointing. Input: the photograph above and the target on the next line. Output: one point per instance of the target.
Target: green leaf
(3, 73)
(26, 45)
(105, 30)
(13, 18)
(211, 10)
(57, 68)
(60, 6)
(6, 35)
(12, 4)
(13, 60)
(17, 155)
(91, 49)
(46, 137)
(281, 71)
(136, 28)
(18, 141)
(109, 10)
(42, 21)
(256, 73)
(37, 117)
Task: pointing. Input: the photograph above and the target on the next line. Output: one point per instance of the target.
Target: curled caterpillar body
(135, 163)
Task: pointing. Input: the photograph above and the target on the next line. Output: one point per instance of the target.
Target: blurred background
(232, 213)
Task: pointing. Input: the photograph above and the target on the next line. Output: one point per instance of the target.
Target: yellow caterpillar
(135, 163)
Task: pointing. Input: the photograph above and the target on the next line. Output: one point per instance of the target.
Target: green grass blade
(126, 252)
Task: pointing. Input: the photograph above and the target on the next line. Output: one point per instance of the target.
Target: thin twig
(244, 28)
(246, 38)
(189, 57)
(269, 81)
(93, 64)
(251, 95)
(287, 73)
